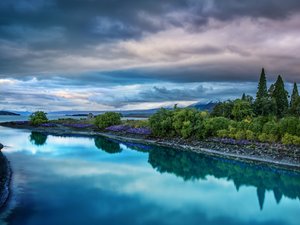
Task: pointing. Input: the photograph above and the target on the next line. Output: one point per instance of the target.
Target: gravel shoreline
(6, 174)
(275, 154)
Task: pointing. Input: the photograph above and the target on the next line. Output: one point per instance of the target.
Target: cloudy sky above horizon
(115, 54)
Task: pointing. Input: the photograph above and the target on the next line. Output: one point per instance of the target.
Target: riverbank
(275, 154)
(5, 178)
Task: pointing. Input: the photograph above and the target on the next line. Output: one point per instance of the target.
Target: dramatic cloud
(80, 46)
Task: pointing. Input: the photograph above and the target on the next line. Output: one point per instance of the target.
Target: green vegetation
(270, 118)
(38, 118)
(136, 123)
(107, 119)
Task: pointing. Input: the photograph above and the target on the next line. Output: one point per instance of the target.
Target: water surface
(74, 180)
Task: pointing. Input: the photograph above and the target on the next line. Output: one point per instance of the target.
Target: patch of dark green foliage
(271, 117)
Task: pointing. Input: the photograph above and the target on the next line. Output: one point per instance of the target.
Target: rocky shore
(5, 178)
(273, 154)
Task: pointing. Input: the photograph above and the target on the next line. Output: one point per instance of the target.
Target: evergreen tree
(295, 95)
(280, 96)
(295, 102)
(243, 97)
(262, 86)
(263, 105)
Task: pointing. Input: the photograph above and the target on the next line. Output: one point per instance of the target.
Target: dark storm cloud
(84, 23)
(63, 46)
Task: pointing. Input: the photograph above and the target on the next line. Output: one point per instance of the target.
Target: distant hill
(204, 107)
(6, 113)
(125, 113)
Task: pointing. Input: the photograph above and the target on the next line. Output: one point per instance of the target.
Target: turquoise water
(78, 180)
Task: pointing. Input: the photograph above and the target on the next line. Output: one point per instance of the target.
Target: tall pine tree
(262, 86)
(295, 102)
(295, 95)
(280, 96)
(263, 105)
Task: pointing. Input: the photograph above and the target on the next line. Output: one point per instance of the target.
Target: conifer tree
(280, 96)
(295, 102)
(295, 95)
(263, 105)
(262, 86)
(243, 97)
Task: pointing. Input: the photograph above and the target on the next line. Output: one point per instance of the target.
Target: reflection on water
(191, 166)
(69, 181)
(107, 145)
(38, 138)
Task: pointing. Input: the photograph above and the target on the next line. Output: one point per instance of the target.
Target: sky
(124, 55)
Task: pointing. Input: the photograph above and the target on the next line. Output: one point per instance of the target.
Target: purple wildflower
(118, 128)
(142, 131)
(78, 125)
(48, 125)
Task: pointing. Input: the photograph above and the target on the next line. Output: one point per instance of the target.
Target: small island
(6, 113)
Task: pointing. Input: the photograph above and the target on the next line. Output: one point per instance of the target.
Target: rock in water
(1, 146)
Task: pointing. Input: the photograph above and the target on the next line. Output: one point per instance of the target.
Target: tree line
(270, 117)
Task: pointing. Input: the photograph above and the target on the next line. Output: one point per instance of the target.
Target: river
(89, 181)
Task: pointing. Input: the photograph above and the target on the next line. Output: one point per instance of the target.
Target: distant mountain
(6, 113)
(204, 106)
(125, 113)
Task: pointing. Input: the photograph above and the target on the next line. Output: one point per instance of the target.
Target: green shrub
(296, 140)
(222, 133)
(232, 131)
(223, 109)
(287, 139)
(161, 123)
(186, 121)
(240, 135)
(213, 125)
(107, 119)
(136, 123)
(271, 127)
(267, 138)
(256, 125)
(241, 110)
(289, 125)
(38, 118)
(250, 135)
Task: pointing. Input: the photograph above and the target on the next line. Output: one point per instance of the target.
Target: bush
(136, 123)
(257, 124)
(222, 133)
(223, 109)
(213, 125)
(186, 122)
(250, 135)
(289, 125)
(267, 138)
(161, 123)
(240, 135)
(38, 118)
(271, 127)
(241, 110)
(107, 119)
(289, 139)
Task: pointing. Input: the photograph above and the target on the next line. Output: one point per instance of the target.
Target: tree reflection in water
(38, 138)
(193, 166)
(107, 145)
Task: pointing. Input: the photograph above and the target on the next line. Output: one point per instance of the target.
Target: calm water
(87, 181)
